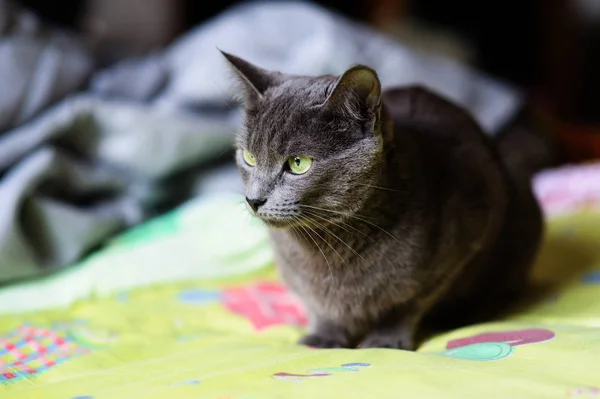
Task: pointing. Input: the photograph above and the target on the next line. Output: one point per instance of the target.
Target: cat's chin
(278, 223)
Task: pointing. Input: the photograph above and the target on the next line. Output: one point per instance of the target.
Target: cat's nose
(255, 203)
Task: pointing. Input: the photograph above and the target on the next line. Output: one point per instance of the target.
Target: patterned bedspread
(229, 333)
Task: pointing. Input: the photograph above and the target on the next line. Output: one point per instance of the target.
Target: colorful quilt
(229, 331)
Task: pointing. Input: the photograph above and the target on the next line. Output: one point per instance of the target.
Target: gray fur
(408, 209)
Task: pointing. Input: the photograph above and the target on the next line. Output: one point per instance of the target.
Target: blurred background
(549, 47)
(113, 112)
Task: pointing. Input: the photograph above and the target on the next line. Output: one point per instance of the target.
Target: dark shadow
(562, 261)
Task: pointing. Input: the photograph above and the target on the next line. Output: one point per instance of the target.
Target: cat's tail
(527, 146)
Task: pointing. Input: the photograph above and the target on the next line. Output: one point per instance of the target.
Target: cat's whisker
(349, 214)
(325, 186)
(322, 253)
(378, 187)
(248, 217)
(331, 233)
(344, 226)
(327, 242)
(343, 242)
(352, 216)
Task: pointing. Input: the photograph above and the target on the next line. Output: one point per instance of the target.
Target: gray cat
(383, 207)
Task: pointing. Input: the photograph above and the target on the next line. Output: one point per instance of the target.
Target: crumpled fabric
(85, 153)
(38, 65)
(301, 38)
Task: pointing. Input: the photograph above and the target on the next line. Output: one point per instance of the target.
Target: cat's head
(311, 146)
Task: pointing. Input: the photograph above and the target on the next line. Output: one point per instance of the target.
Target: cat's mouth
(281, 218)
(278, 221)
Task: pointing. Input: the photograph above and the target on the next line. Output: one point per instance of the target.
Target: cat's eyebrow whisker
(355, 217)
(322, 253)
(231, 105)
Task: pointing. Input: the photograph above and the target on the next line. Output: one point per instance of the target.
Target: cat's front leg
(326, 334)
(395, 330)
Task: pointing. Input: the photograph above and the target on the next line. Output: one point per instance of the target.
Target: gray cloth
(87, 169)
(139, 138)
(301, 38)
(78, 171)
(38, 66)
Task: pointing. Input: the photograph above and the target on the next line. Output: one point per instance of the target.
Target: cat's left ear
(357, 91)
(255, 80)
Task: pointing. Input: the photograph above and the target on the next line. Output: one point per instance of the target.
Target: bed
(189, 306)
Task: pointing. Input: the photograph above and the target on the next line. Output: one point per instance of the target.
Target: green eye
(299, 165)
(248, 158)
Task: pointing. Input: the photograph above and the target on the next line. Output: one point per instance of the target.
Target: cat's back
(440, 127)
(467, 163)
(460, 163)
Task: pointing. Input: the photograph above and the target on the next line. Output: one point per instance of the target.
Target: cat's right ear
(254, 80)
(357, 92)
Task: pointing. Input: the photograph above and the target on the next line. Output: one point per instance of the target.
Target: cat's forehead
(301, 90)
(290, 120)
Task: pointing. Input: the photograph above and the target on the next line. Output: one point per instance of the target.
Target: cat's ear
(357, 91)
(255, 80)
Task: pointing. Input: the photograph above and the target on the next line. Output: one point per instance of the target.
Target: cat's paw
(318, 341)
(375, 340)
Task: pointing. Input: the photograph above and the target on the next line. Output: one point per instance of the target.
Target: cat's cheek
(245, 174)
